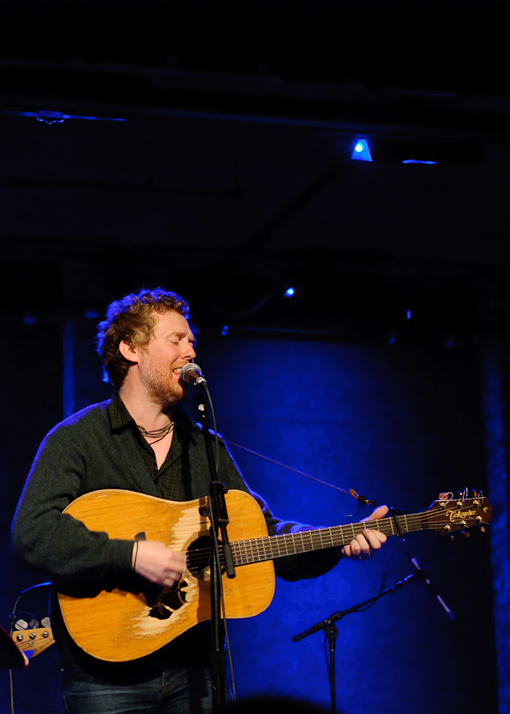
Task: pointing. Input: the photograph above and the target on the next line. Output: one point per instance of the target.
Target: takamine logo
(461, 515)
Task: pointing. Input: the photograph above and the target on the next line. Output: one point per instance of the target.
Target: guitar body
(119, 626)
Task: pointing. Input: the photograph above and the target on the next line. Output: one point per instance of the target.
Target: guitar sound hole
(165, 602)
(198, 557)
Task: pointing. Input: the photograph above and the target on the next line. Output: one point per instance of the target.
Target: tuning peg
(482, 529)
(466, 534)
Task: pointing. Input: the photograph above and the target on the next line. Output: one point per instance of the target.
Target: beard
(161, 386)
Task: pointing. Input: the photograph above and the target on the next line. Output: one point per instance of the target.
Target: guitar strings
(270, 546)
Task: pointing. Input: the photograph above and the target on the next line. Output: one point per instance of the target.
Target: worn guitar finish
(118, 626)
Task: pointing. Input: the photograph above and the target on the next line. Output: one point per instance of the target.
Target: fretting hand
(369, 541)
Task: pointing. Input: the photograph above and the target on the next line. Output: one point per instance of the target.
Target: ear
(129, 352)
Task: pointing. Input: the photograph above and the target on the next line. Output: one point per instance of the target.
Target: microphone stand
(219, 519)
(331, 630)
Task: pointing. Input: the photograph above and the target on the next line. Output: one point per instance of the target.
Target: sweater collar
(120, 418)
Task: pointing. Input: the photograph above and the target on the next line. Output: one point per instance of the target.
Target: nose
(189, 352)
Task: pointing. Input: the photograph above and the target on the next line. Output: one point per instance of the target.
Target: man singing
(139, 441)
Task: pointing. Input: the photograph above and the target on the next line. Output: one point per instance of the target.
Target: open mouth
(177, 371)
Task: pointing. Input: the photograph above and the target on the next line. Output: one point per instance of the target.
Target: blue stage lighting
(224, 330)
(361, 151)
(289, 292)
(50, 117)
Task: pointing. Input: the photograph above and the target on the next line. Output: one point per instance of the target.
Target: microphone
(192, 374)
(423, 575)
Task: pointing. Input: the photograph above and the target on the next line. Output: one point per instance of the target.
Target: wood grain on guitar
(119, 626)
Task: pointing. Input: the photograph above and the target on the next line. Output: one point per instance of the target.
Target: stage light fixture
(50, 117)
(361, 151)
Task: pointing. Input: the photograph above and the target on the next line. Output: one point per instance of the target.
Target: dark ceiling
(436, 45)
(228, 174)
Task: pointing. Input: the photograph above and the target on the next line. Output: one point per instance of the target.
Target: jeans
(176, 691)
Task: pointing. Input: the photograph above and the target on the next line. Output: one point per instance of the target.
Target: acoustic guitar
(119, 626)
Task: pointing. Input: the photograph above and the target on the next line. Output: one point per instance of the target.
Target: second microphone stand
(331, 630)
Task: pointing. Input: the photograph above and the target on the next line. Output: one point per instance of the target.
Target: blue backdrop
(399, 424)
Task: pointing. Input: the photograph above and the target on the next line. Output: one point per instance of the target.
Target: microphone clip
(362, 500)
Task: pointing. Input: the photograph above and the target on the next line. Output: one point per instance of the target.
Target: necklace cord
(157, 434)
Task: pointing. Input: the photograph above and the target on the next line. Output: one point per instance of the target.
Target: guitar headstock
(458, 513)
(33, 642)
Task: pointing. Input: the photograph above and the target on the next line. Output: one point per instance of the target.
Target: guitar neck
(258, 550)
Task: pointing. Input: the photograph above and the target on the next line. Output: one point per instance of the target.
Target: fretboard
(256, 550)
